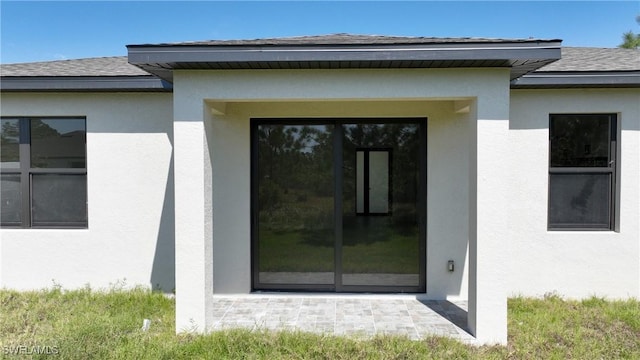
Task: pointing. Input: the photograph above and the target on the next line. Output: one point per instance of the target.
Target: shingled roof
(345, 51)
(595, 59)
(103, 66)
(348, 39)
(582, 67)
(614, 67)
(92, 74)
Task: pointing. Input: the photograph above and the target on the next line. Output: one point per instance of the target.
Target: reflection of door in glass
(339, 205)
(372, 181)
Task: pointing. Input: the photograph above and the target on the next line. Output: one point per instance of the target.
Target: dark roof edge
(162, 60)
(581, 79)
(201, 53)
(345, 39)
(84, 83)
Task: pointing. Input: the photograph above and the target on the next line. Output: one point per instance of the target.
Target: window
(43, 172)
(582, 168)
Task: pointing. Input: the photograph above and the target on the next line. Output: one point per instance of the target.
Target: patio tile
(349, 316)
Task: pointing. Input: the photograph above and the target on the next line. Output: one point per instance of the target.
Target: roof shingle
(103, 66)
(347, 39)
(574, 59)
(595, 59)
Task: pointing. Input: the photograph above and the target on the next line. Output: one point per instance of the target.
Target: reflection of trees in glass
(57, 143)
(10, 141)
(10, 131)
(41, 130)
(295, 185)
(294, 158)
(296, 174)
(579, 141)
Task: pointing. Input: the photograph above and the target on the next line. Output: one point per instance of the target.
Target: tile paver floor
(344, 315)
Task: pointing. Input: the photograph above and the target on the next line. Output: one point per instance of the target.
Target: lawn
(85, 324)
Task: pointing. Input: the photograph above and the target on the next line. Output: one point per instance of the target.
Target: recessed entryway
(339, 204)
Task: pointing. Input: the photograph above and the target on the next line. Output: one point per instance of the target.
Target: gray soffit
(93, 74)
(586, 68)
(342, 51)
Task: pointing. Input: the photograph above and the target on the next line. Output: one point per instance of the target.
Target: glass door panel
(295, 205)
(380, 217)
(338, 206)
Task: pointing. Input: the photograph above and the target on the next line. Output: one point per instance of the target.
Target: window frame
(27, 172)
(610, 170)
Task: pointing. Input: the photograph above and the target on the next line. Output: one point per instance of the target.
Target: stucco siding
(571, 263)
(129, 239)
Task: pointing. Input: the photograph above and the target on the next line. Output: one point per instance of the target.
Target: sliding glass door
(338, 205)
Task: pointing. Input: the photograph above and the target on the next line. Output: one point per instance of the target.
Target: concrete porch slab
(350, 315)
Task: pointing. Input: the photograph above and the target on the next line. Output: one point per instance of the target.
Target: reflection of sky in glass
(310, 142)
(65, 126)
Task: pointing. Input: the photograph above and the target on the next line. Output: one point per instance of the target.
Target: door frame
(337, 122)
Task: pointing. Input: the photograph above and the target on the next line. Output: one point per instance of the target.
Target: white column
(488, 243)
(194, 254)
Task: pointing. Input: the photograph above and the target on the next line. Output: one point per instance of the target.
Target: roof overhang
(521, 57)
(84, 83)
(578, 79)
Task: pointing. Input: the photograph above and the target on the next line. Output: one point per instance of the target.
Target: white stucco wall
(572, 263)
(129, 240)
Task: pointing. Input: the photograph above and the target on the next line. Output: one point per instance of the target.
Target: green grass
(85, 324)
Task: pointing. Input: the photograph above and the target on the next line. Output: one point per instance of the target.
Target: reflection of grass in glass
(287, 251)
(397, 255)
(290, 251)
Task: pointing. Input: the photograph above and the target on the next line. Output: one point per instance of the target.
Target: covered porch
(459, 87)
